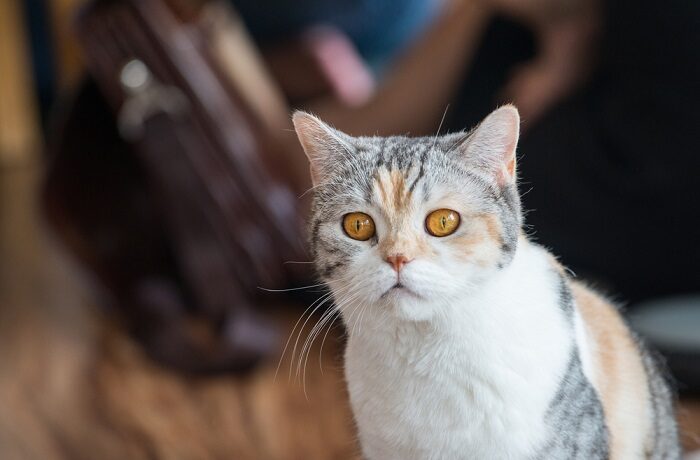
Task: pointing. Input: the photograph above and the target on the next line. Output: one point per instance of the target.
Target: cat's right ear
(322, 144)
(492, 144)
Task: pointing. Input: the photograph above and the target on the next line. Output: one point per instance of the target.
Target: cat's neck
(530, 270)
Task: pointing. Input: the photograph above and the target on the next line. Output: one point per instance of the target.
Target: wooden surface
(18, 111)
(73, 387)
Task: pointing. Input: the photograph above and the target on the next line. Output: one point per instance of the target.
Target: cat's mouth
(399, 288)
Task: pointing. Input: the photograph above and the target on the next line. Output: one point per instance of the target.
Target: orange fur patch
(391, 187)
(620, 378)
(493, 226)
(395, 201)
(480, 242)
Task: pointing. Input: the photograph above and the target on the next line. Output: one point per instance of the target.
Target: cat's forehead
(393, 190)
(399, 192)
(403, 152)
(398, 174)
(401, 168)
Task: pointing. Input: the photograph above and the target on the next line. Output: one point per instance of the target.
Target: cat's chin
(408, 305)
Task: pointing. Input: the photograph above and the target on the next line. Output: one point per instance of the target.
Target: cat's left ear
(323, 145)
(491, 145)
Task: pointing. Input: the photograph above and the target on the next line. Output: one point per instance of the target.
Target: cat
(465, 339)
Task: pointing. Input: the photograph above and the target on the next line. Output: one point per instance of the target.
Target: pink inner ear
(506, 172)
(509, 121)
(510, 167)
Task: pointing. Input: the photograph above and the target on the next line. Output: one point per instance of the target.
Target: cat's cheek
(364, 280)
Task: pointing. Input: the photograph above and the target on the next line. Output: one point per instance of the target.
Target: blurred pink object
(348, 75)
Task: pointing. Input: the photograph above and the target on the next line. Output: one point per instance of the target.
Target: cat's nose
(397, 261)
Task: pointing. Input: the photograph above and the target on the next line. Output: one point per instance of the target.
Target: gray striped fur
(664, 443)
(575, 419)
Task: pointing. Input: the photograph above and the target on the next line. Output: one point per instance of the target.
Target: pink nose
(397, 261)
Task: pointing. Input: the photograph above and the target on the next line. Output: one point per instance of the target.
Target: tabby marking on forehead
(394, 196)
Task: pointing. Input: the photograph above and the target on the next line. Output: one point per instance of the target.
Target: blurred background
(153, 196)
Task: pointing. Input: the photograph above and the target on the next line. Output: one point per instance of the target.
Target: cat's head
(408, 225)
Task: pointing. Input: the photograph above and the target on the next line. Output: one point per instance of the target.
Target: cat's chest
(430, 402)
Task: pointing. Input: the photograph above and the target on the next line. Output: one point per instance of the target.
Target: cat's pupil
(357, 225)
(443, 222)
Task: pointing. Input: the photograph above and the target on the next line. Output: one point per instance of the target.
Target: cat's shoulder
(583, 293)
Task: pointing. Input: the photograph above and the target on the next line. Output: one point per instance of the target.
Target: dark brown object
(184, 222)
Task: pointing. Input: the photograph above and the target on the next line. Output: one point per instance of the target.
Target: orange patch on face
(493, 226)
(401, 195)
(465, 245)
(394, 195)
(395, 201)
(407, 243)
(381, 190)
(481, 242)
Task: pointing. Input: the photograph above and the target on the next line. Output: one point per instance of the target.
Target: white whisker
(291, 289)
(291, 334)
(296, 343)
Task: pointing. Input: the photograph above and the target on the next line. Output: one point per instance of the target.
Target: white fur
(473, 380)
(586, 350)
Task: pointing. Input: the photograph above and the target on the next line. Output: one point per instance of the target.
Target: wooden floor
(73, 387)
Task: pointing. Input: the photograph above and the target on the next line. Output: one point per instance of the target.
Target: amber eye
(358, 226)
(442, 222)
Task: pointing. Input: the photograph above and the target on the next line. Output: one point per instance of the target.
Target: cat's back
(636, 400)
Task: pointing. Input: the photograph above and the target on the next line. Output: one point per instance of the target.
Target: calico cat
(466, 340)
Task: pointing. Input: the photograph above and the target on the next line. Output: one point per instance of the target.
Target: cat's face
(405, 225)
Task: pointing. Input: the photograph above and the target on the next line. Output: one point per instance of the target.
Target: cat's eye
(442, 222)
(358, 226)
